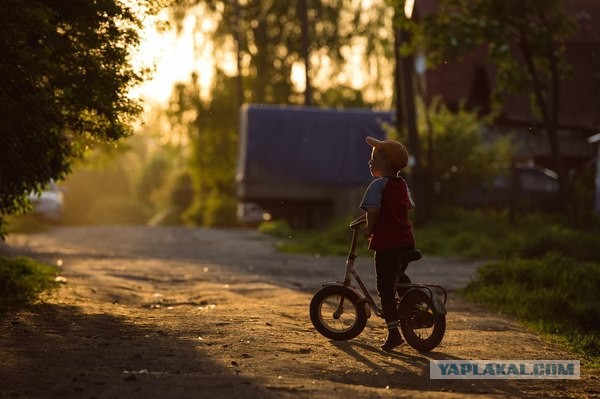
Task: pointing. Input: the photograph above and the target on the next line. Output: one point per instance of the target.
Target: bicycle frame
(352, 272)
(368, 298)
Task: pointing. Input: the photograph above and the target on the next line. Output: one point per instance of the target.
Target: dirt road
(197, 313)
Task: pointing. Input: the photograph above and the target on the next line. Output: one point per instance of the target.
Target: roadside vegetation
(25, 224)
(543, 269)
(22, 280)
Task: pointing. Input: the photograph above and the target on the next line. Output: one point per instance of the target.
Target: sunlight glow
(298, 77)
(409, 5)
(353, 73)
(175, 57)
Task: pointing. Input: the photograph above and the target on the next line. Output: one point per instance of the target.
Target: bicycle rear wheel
(349, 324)
(422, 325)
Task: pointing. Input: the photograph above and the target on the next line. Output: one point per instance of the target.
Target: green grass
(553, 294)
(459, 233)
(544, 270)
(489, 235)
(22, 280)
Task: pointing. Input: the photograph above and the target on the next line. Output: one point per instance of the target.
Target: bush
(455, 155)
(181, 194)
(176, 197)
(215, 210)
(152, 177)
(220, 211)
(276, 228)
(556, 294)
(23, 279)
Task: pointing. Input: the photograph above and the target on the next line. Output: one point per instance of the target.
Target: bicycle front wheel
(339, 327)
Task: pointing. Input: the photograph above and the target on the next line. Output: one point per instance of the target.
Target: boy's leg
(402, 279)
(394, 337)
(385, 268)
(401, 276)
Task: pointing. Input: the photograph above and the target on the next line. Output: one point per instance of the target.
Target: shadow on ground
(399, 373)
(55, 351)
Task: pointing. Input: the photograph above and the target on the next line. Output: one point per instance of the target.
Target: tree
(463, 160)
(64, 82)
(406, 119)
(525, 41)
(270, 40)
(213, 154)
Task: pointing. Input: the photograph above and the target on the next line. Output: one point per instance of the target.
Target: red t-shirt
(392, 228)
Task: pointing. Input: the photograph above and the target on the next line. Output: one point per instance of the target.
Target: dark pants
(387, 266)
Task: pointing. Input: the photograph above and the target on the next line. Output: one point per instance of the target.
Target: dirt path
(195, 313)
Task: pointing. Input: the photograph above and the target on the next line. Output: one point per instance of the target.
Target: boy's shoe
(392, 342)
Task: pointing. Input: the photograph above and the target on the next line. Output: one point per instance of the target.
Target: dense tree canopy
(65, 74)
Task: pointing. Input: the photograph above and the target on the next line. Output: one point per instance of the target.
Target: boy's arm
(372, 215)
(411, 202)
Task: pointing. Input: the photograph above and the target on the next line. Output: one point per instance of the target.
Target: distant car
(49, 204)
(536, 188)
(250, 214)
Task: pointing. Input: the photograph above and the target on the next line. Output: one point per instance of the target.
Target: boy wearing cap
(386, 203)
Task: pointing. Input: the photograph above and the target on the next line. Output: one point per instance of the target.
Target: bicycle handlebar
(358, 221)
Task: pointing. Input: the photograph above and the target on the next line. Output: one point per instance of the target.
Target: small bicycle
(339, 310)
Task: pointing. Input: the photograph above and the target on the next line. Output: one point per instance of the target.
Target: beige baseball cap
(395, 151)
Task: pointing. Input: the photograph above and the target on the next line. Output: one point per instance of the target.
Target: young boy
(386, 203)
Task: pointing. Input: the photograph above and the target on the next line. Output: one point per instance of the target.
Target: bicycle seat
(410, 256)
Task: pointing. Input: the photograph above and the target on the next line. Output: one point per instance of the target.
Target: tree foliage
(64, 81)
(525, 42)
(212, 128)
(457, 158)
(512, 32)
(268, 37)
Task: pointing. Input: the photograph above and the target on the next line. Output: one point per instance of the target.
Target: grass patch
(459, 233)
(489, 235)
(555, 295)
(22, 280)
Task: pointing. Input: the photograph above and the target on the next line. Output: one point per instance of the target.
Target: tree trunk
(236, 29)
(263, 69)
(409, 113)
(428, 172)
(553, 130)
(549, 117)
(303, 14)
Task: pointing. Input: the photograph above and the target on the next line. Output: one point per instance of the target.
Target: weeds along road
(199, 313)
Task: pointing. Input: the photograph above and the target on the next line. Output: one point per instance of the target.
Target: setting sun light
(174, 57)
